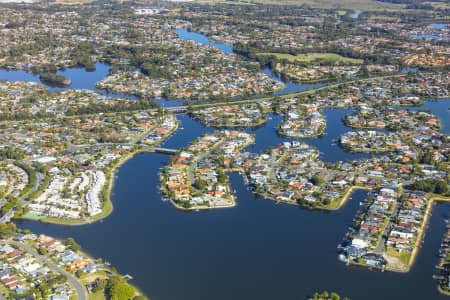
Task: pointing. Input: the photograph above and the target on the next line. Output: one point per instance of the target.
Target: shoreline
(108, 269)
(108, 202)
(109, 207)
(341, 203)
(140, 95)
(420, 236)
(347, 195)
(440, 290)
(314, 135)
(195, 208)
(233, 197)
(219, 126)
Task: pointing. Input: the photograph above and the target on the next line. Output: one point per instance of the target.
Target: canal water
(256, 250)
(86, 80)
(440, 108)
(429, 36)
(442, 27)
(80, 78)
(356, 14)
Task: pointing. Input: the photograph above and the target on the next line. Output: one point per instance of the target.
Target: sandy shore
(348, 194)
(426, 218)
(419, 239)
(421, 234)
(110, 207)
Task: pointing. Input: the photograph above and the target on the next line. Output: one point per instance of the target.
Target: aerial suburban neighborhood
(153, 132)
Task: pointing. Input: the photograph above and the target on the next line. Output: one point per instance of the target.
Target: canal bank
(258, 247)
(257, 250)
(261, 249)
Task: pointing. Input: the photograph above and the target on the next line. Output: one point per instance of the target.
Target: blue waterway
(202, 39)
(199, 38)
(428, 36)
(440, 108)
(356, 14)
(438, 26)
(433, 25)
(80, 78)
(292, 86)
(85, 80)
(18, 75)
(257, 250)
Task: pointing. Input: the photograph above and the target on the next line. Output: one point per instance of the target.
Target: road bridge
(165, 150)
(177, 109)
(185, 108)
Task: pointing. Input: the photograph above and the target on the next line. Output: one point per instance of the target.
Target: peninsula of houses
(60, 148)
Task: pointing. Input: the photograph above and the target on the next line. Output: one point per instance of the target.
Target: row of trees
(327, 296)
(6, 230)
(431, 186)
(11, 153)
(53, 79)
(252, 49)
(18, 116)
(94, 108)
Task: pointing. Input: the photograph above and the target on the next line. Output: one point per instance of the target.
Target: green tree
(100, 285)
(118, 289)
(200, 184)
(80, 273)
(441, 187)
(42, 251)
(316, 180)
(6, 230)
(334, 296)
(70, 242)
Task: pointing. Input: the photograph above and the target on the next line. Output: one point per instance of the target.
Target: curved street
(80, 290)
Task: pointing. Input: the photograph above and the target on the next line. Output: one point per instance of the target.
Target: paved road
(9, 215)
(280, 96)
(252, 100)
(193, 166)
(39, 181)
(81, 292)
(379, 249)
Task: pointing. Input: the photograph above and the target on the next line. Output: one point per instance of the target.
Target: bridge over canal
(164, 150)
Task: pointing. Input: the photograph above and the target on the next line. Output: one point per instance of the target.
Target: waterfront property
(196, 179)
(70, 143)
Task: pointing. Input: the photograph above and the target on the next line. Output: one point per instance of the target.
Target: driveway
(81, 292)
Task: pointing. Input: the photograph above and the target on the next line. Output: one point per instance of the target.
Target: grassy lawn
(33, 216)
(63, 221)
(310, 57)
(333, 204)
(404, 257)
(4, 290)
(106, 209)
(85, 279)
(97, 296)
